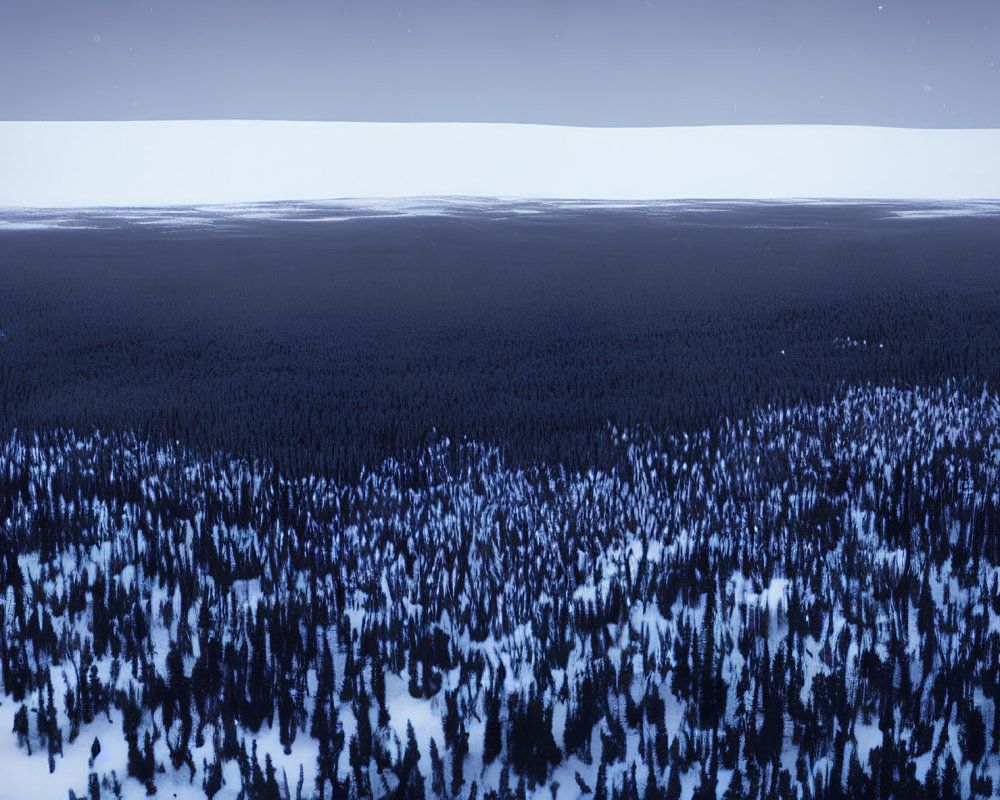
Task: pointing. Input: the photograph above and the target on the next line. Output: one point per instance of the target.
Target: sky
(913, 63)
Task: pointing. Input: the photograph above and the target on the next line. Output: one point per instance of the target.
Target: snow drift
(75, 164)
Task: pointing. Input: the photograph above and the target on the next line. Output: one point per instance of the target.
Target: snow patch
(87, 164)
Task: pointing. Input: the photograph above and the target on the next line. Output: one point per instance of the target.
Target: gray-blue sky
(924, 63)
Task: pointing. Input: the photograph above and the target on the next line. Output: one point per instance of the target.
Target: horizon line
(686, 125)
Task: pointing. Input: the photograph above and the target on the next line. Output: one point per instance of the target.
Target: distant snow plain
(176, 163)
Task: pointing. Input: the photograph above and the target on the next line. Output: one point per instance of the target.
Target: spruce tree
(271, 789)
(20, 729)
(674, 783)
(411, 780)
(735, 789)
(601, 789)
(493, 733)
(972, 737)
(437, 771)
(212, 781)
(460, 750)
(951, 786)
(709, 703)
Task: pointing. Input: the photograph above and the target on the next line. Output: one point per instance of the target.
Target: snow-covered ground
(787, 526)
(698, 212)
(76, 164)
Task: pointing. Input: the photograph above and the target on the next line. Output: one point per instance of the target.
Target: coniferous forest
(502, 501)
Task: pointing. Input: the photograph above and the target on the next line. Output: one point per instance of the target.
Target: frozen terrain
(236, 216)
(73, 164)
(802, 603)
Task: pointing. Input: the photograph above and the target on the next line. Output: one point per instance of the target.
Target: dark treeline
(325, 347)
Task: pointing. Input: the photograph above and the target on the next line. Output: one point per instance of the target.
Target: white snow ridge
(78, 164)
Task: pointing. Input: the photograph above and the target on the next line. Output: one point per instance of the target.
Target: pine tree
(358, 765)
(461, 749)
(177, 681)
(259, 690)
(450, 719)
(932, 782)
(653, 789)
(327, 677)
(680, 678)
(286, 710)
(857, 780)
(601, 789)
(674, 783)
(134, 760)
(378, 691)
(661, 746)
(951, 787)
(709, 703)
(581, 717)
(148, 765)
(492, 736)
(926, 626)
(413, 685)
(735, 789)
(411, 782)
(771, 733)
(972, 736)
(364, 730)
(212, 782)
(20, 729)
(53, 733)
(504, 786)
(437, 770)
(271, 789)
(41, 720)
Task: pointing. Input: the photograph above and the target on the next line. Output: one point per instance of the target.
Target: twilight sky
(920, 63)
